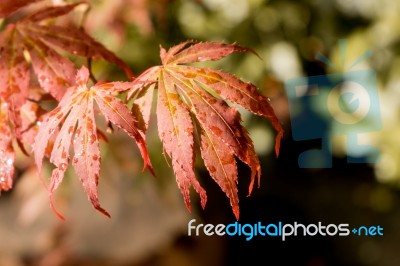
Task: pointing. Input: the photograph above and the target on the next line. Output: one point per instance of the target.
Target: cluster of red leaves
(33, 41)
(191, 106)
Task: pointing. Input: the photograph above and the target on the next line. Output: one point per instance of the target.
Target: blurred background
(149, 220)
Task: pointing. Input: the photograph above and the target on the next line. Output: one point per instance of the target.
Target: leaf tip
(255, 172)
(278, 144)
(60, 216)
(203, 200)
(104, 212)
(150, 167)
(100, 209)
(187, 204)
(236, 212)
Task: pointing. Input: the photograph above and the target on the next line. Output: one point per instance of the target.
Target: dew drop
(9, 161)
(79, 154)
(62, 166)
(6, 164)
(70, 130)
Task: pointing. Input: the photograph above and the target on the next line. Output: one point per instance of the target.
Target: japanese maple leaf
(73, 122)
(54, 72)
(194, 99)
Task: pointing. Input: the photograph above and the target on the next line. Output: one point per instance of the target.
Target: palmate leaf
(31, 40)
(186, 104)
(54, 72)
(74, 123)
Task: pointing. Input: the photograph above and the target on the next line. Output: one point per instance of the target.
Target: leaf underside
(192, 99)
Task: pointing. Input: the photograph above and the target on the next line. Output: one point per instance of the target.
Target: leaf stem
(91, 76)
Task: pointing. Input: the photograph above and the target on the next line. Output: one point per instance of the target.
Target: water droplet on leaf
(10, 161)
(62, 166)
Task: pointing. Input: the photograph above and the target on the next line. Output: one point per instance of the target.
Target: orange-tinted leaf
(75, 116)
(188, 95)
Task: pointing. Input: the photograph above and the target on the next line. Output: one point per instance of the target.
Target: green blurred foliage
(286, 34)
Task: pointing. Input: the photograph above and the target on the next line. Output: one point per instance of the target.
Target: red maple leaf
(31, 40)
(73, 123)
(194, 99)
